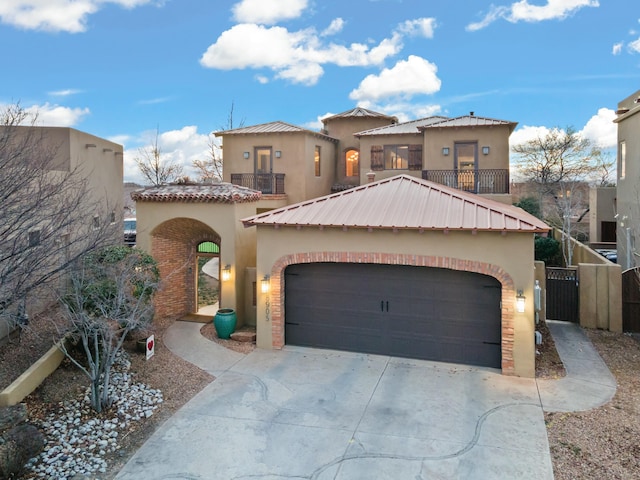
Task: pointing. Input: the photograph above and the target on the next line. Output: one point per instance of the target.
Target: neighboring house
(97, 161)
(628, 181)
(411, 255)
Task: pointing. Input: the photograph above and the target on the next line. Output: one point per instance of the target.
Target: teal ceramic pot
(225, 322)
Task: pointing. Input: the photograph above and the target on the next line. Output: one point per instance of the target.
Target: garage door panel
(416, 312)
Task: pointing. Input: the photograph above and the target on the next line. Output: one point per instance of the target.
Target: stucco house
(94, 165)
(628, 179)
(369, 235)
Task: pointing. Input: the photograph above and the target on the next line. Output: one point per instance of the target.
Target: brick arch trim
(508, 291)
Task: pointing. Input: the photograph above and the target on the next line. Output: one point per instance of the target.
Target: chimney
(471, 113)
(371, 177)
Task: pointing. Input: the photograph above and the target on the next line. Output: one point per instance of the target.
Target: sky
(127, 70)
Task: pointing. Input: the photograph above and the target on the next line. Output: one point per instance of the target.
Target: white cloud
(180, 146)
(617, 48)
(48, 115)
(268, 11)
(527, 133)
(295, 56)
(65, 93)
(56, 15)
(523, 11)
(421, 26)
(262, 79)
(336, 26)
(414, 76)
(601, 130)
(635, 46)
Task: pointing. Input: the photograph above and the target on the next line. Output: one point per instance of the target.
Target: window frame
(317, 164)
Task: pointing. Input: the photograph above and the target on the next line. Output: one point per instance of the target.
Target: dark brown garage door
(416, 312)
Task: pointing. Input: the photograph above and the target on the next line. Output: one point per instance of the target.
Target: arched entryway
(175, 245)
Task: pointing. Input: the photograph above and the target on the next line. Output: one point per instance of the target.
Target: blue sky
(120, 69)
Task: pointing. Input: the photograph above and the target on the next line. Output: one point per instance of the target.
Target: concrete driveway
(315, 414)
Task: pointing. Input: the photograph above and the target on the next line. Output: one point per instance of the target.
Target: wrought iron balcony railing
(474, 181)
(267, 183)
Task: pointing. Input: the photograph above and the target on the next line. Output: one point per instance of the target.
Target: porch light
(278, 153)
(485, 150)
(445, 151)
(264, 284)
(520, 298)
(226, 272)
(245, 154)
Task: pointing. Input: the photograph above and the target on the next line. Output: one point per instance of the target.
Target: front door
(263, 168)
(466, 164)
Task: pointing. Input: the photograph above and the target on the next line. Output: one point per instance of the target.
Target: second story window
(352, 164)
(316, 161)
(396, 157)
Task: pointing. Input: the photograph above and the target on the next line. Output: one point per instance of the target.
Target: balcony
(267, 183)
(489, 181)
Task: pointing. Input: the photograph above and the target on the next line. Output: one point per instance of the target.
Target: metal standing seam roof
(401, 128)
(471, 121)
(214, 193)
(272, 127)
(402, 202)
(359, 112)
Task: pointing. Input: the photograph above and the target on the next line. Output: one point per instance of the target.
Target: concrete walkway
(318, 414)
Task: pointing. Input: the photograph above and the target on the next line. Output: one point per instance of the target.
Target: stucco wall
(296, 161)
(628, 202)
(509, 257)
(174, 249)
(602, 208)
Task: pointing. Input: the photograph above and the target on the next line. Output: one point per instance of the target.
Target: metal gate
(631, 300)
(562, 294)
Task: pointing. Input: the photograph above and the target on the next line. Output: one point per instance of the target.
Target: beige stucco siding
(237, 244)
(510, 254)
(494, 137)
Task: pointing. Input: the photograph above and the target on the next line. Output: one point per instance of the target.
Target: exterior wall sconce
(520, 301)
(265, 284)
(278, 153)
(245, 154)
(226, 272)
(445, 151)
(485, 150)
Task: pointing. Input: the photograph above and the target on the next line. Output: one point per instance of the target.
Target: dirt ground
(598, 444)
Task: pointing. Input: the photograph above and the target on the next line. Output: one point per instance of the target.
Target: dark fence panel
(631, 300)
(562, 294)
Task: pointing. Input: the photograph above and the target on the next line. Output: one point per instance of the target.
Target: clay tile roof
(403, 202)
(401, 128)
(215, 193)
(471, 121)
(359, 112)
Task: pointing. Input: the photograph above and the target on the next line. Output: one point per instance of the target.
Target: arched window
(352, 163)
(208, 247)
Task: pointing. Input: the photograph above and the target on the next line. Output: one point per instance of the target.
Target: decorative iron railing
(267, 183)
(474, 181)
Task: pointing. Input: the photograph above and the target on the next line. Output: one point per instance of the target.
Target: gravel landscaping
(597, 444)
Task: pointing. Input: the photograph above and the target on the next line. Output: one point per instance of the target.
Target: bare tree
(210, 169)
(558, 166)
(110, 294)
(156, 167)
(48, 218)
